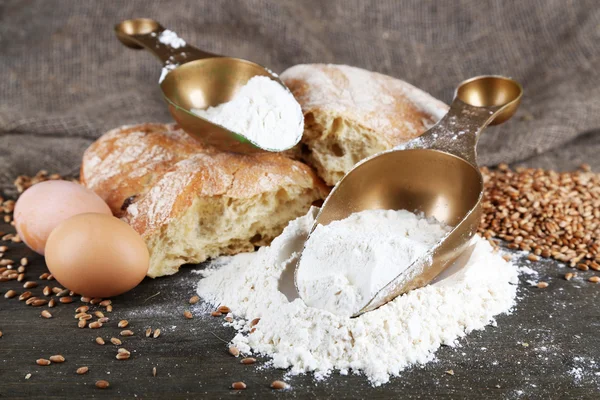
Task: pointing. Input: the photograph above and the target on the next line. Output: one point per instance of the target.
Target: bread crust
(352, 113)
(151, 174)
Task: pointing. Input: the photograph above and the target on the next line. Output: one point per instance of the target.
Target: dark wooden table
(547, 348)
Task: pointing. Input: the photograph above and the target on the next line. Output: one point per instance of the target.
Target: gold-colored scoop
(435, 174)
(195, 79)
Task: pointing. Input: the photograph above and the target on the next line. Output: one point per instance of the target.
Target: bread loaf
(191, 202)
(351, 114)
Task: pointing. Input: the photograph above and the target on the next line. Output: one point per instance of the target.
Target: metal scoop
(196, 80)
(435, 174)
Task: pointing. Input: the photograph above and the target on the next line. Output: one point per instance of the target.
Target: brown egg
(45, 205)
(96, 255)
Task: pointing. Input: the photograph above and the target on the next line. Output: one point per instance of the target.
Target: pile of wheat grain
(547, 213)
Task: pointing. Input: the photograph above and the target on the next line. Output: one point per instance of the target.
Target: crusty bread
(191, 202)
(351, 113)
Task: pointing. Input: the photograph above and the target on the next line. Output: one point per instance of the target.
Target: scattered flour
(263, 111)
(165, 71)
(379, 344)
(170, 38)
(525, 270)
(347, 262)
(576, 373)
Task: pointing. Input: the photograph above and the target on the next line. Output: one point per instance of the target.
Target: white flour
(170, 38)
(379, 344)
(347, 262)
(262, 111)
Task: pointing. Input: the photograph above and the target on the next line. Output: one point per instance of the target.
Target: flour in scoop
(263, 111)
(379, 344)
(345, 263)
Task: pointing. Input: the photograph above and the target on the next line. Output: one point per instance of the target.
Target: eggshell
(45, 205)
(97, 255)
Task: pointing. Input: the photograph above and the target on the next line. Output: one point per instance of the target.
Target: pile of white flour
(262, 111)
(347, 262)
(380, 343)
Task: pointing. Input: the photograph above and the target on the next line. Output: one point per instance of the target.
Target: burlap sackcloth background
(65, 79)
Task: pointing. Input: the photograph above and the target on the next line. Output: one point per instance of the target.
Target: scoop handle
(458, 131)
(145, 33)
(478, 102)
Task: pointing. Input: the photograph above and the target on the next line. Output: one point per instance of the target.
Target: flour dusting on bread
(351, 114)
(191, 202)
